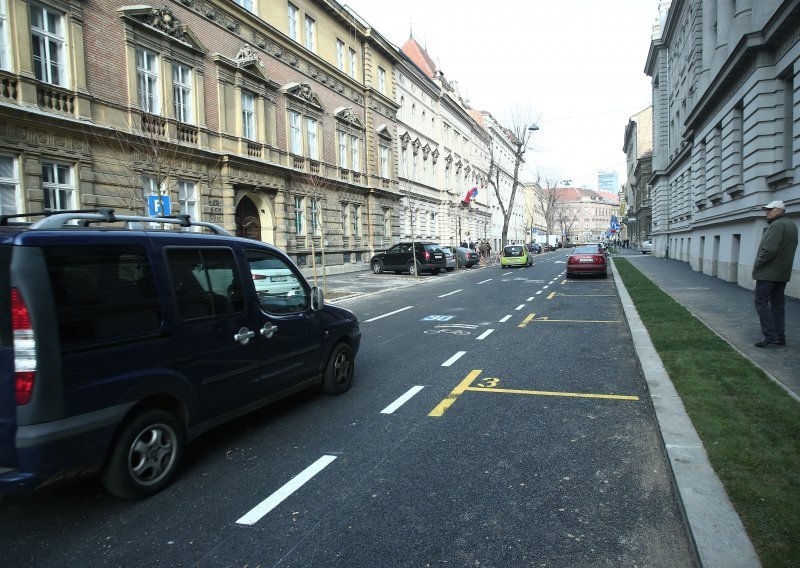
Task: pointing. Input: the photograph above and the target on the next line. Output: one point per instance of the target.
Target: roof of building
(419, 56)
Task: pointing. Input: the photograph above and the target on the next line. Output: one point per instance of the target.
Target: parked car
(125, 344)
(587, 259)
(450, 259)
(400, 258)
(515, 255)
(535, 248)
(646, 247)
(466, 257)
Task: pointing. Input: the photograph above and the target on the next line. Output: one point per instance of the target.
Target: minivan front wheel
(338, 374)
(377, 267)
(145, 456)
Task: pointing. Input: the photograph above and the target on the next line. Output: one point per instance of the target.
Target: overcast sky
(577, 66)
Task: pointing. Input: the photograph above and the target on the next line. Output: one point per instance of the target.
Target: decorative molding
(426, 150)
(435, 155)
(383, 132)
(303, 92)
(415, 146)
(404, 140)
(347, 114)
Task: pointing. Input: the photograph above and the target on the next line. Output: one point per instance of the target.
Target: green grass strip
(749, 425)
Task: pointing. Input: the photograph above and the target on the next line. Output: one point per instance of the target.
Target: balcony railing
(53, 98)
(8, 88)
(254, 150)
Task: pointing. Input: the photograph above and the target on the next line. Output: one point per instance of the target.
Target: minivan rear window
(102, 292)
(515, 250)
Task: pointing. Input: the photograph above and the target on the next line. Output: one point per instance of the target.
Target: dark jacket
(776, 251)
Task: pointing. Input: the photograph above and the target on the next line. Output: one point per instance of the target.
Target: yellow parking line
(546, 319)
(451, 398)
(551, 295)
(527, 320)
(552, 393)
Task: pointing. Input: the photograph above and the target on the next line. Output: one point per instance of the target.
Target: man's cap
(775, 205)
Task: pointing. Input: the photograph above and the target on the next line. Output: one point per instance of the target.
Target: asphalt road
(498, 419)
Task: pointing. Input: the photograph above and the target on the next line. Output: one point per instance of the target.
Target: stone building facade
(726, 133)
(638, 148)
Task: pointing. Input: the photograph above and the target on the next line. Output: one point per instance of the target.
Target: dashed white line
(539, 292)
(402, 400)
(257, 512)
(485, 281)
(450, 293)
(454, 358)
(505, 319)
(485, 334)
(529, 299)
(518, 308)
(389, 314)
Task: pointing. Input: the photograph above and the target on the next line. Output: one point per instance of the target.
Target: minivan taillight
(427, 255)
(24, 349)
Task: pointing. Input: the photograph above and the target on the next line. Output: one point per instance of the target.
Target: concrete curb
(719, 536)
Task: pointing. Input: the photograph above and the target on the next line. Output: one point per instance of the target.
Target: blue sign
(158, 205)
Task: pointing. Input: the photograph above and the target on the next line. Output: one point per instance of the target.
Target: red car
(587, 259)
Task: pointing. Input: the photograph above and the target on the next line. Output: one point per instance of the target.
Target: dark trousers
(769, 302)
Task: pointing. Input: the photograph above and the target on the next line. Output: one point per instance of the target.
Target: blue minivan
(119, 345)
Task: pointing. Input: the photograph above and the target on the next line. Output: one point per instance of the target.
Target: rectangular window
(356, 221)
(345, 219)
(353, 66)
(248, 115)
(187, 199)
(246, 4)
(381, 80)
(310, 26)
(387, 223)
(292, 25)
(182, 93)
(354, 154)
(384, 162)
(47, 45)
(788, 121)
(342, 149)
(315, 225)
(9, 186)
(295, 140)
(59, 191)
(340, 55)
(147, 79)
(311, 138)
(5, 56)
(299, 216)
(205, 281)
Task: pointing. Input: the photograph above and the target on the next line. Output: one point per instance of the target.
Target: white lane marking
(257, 512)
(529, 299)
(505, 319)
(450, 293)
(454, 358)
(518, 308)
(389, 314)
(545, 287)
(539, 292)
(402, 400)
(485, 281)
(484, 334)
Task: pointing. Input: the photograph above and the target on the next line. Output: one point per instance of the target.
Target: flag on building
(470, 195)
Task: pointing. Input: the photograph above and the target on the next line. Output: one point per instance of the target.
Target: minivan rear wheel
(338, 374)
(412, 269)
(145, 456)
(377, 267)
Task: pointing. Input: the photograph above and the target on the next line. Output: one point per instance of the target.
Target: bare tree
(546, 199)
(518, 135)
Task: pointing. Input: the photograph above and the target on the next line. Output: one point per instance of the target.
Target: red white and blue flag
(470, 195)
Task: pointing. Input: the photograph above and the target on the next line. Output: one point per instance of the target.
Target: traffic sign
(158, 205)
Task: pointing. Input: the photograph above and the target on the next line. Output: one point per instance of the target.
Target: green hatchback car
(515, 255)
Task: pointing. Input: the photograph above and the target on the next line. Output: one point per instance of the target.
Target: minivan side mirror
(317, 299)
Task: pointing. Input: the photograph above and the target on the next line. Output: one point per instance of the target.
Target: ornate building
(638, 148)
(726, 138)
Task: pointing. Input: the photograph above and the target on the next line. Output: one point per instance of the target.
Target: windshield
(585, 249)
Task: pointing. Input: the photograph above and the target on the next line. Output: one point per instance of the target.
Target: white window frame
(311, 138)
(5, 59)
(353, 64)
(382, 82)
(147, 81)
(248, 115)
(51, 67)
(247, 5)
(316, 228)
(356, 220)
(299, 215)
(340, 55)
(345, 219)
(355, 154)
(187, 201)
(387, 223)
(182, 93)
(291, 23)
(10, 185)
(310, 32)
(295, 138)
(342, 139)
(384, 161)
(59, 193)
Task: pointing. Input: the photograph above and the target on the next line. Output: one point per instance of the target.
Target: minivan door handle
(269, 330)
(244, 336)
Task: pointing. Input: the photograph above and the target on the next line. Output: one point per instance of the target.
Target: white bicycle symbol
(453, 331)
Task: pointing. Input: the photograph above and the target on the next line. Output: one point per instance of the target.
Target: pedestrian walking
(772, 270)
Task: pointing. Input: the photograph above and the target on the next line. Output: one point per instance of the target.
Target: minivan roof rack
(106, 215)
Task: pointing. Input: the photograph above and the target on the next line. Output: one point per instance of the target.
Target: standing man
(772, 270)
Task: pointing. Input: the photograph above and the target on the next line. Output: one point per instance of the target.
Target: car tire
(413, 269)
(377, 267)
(451, 269)
(145, 456)
(459, 264)
(338, 374)
(569, 275)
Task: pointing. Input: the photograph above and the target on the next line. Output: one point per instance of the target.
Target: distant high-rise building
(608, 181)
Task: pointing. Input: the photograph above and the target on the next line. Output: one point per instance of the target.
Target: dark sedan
(400, 258)
(587, 259)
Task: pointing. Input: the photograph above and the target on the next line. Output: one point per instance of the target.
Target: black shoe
(764, 342)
